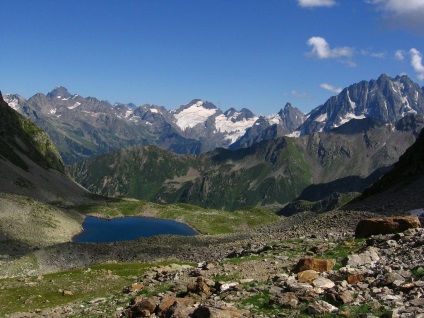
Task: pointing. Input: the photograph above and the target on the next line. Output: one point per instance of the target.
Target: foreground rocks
(286, 278)
(391, 225)
(384, 274)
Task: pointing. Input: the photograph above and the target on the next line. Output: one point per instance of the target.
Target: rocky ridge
(85, 127)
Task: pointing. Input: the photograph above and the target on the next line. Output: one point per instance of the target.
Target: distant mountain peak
(59, 92)
(288, 105)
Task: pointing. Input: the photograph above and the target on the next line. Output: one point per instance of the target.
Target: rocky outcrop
(390, 225)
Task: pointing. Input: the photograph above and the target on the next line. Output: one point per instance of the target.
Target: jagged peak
(243, 113)
(59, 92)
(288, 105)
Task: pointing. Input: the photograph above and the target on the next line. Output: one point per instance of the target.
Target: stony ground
(252, 274)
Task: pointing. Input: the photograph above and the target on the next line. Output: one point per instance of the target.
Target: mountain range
(345, 159)
(85, 127)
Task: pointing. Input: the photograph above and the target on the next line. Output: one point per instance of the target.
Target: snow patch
(352, 104)
(13, 102)
(348, 117)
(74, 105)
(128, 113)
(135, 118)
(154, 110)
(294, 134)
(321, 118)
(53, 111)
(66, 98)
(273, 119)
(234, 129)
(193, 115)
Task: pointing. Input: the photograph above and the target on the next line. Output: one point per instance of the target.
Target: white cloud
(331, 88)
(316, 3)
(417, 63)
(322, 50)
(297, 94)
(377, 55)
(400, 55)
(402, 13)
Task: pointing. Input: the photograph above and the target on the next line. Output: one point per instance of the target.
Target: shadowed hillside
(401, 189)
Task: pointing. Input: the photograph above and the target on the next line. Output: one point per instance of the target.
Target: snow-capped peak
(193, 115)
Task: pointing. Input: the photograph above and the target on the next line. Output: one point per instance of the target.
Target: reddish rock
(133, 288)
(354, 279)
(390, 225)
(316, 264)
(200, 287)
(144, 307)
(174, 306)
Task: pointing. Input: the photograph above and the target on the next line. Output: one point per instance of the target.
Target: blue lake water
(128, 228)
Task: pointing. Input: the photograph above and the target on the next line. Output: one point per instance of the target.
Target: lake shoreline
(138, 226)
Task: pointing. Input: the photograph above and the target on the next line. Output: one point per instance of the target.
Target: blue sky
(257, 54)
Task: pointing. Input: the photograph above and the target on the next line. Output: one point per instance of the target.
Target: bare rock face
(316, 264)
(390, 225)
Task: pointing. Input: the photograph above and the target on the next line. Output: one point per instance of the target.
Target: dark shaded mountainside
(30, 165)
(401, 189)
(346, 159)
(36, 195)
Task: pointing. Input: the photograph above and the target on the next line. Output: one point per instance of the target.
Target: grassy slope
(206, 221)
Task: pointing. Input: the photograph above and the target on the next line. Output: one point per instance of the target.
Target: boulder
(390, 225)
(307, 276)
(316, 264)
(346, 297)
(354, 279)
(367, 258)
(286, 300)
(320, 307)
(324, 283)
(176, 307)
(200, 287)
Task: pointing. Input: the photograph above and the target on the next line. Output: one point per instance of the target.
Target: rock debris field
(381, 276)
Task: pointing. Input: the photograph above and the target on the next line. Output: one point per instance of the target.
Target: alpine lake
(97, 230)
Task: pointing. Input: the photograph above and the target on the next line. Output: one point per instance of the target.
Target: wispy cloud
(316, 3)
(406, 14)
(297, 94)
(417, 63)
(331, 88)
(377, 55)
(400, 55)
(321, 49)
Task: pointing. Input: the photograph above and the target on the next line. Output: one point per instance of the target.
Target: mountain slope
(272, 172)
(400, 189)
(33, 187)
